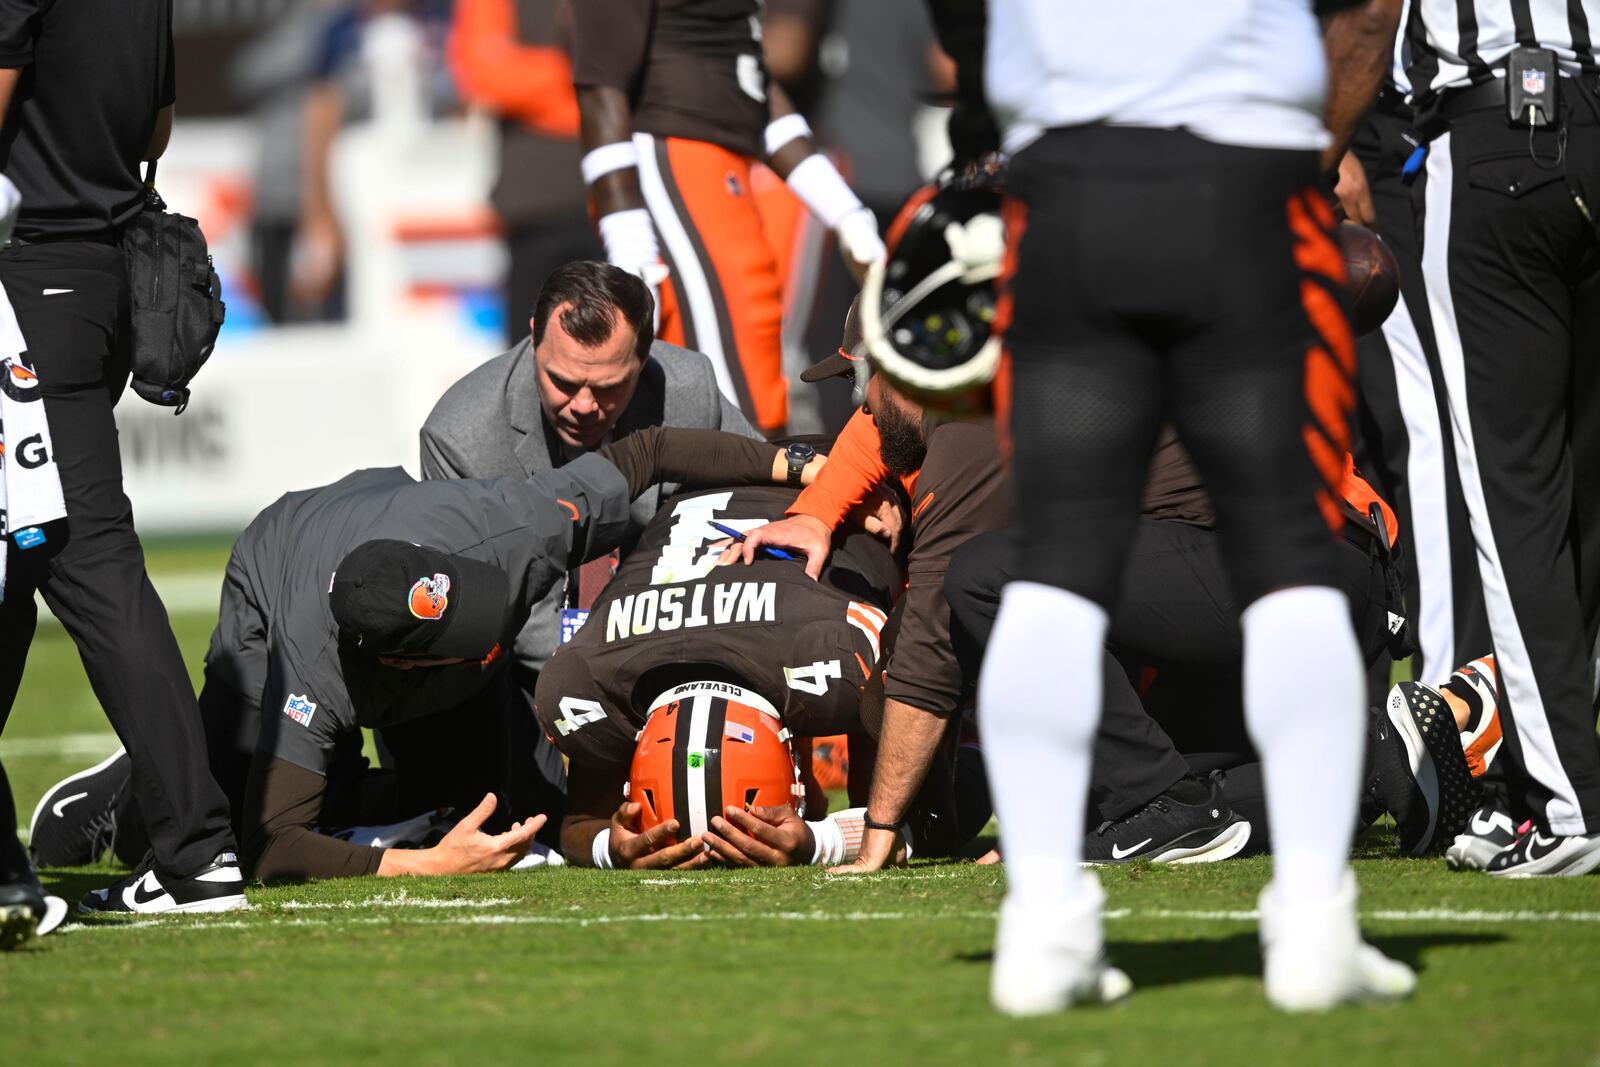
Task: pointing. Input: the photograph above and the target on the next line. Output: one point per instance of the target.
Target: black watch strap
(797, 460)
(873, 824)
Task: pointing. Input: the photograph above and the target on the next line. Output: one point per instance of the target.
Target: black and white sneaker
(219, 886)
(1418, 771)
(1489, 832)
(1189, 823)
(75, 822)
(26, 912)
(1535, 855)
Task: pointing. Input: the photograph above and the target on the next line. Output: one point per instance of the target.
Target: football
(1372, 277)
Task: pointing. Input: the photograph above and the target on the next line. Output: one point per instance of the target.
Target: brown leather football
(1372, 277)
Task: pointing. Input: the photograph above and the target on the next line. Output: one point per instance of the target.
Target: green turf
(748, 968)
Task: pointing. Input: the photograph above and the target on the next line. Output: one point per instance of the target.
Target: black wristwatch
(797, 456)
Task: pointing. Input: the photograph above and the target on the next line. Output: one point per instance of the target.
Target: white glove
(10, 204)
(630, 240)
(858, 238)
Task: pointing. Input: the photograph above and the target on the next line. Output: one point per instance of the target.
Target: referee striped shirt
(1464, 42)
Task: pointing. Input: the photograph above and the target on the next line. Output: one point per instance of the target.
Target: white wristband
(838, 837)
(818, 182)
(630, 239)
(619, 155)
(600, 853)
(781, 131)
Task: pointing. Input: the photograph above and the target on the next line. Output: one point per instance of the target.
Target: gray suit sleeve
(439, 458)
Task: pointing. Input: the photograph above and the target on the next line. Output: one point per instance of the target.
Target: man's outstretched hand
(797, 533)
(466, 849)
(652, 849)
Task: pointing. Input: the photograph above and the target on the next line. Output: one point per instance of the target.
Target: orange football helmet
(706, 745)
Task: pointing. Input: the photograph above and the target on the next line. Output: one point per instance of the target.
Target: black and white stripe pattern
(1460, 42)
(697, 762)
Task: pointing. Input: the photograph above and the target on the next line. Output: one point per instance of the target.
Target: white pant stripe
(1425, 485)
(689, 278)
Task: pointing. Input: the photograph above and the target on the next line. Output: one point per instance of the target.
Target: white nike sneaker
(1315, 958)
(149, 890)
(1048, 958)
(1534, 855)
(1489, 832)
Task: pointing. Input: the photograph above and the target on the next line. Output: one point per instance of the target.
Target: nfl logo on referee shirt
(1533, 81)
(299, 709)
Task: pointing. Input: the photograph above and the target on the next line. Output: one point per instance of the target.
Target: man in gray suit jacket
(588, 375)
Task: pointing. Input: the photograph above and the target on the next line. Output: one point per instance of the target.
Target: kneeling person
(673, 624)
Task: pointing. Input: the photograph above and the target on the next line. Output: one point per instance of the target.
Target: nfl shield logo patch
(1533, 81)
(300, 709)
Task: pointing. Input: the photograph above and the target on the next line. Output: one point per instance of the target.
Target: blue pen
(775, 553)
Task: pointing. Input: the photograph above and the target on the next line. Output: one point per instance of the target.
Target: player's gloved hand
(879, 849)
(652, 849)
(630, 240)
(466, 849)
(761, 837)
(802, 533)
(10, 204)
(860, 242)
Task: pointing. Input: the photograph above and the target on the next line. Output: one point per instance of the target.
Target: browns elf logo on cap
(429, 597)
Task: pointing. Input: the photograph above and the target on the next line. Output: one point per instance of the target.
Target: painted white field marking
(192, 924)
(390, 900)
(96, 745)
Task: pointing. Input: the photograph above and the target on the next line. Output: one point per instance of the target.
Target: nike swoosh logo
(64, 801)
(140, 896)
(1118, 852)
(1535, 852)
(57, 292)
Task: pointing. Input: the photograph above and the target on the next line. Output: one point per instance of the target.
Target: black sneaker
(1428, 730)
(149, 890)
(1189, 823)
(1489, 832)
(75, 822)
(1535, 855)
(26, 912)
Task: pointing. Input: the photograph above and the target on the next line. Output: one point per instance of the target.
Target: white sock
(1038, 706)
(1304, 687)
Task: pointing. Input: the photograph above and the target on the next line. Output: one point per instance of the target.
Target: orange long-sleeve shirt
(529, 83)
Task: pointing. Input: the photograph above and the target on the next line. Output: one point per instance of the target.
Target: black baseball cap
(840, 363)
(393, 598)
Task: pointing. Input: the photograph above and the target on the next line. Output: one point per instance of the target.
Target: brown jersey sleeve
(610, 39)
(283, 804)
(960, 492)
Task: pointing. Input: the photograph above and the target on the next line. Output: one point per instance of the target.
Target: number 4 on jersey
(813, 678)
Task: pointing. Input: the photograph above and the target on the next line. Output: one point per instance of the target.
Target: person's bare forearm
(397, 862)
(910, 737)
(324, 113)
(1359, 42)
(605, 118)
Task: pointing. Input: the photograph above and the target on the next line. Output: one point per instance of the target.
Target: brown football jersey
(671, 615)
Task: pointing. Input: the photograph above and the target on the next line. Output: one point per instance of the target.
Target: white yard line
(193, 924)
(89, 746)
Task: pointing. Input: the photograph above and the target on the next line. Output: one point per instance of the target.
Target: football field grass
(745, 967)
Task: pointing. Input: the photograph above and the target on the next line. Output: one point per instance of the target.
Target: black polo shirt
(95, 73)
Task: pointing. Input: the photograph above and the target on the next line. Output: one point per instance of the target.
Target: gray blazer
(490, 425)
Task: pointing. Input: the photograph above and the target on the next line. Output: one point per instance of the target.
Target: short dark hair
(595, 294)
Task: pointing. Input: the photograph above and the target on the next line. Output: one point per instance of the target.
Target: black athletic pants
(1403, 442)
(70, 299)
(1513, 271)
(14, 865)
(1109, 342)
(1176, 614)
